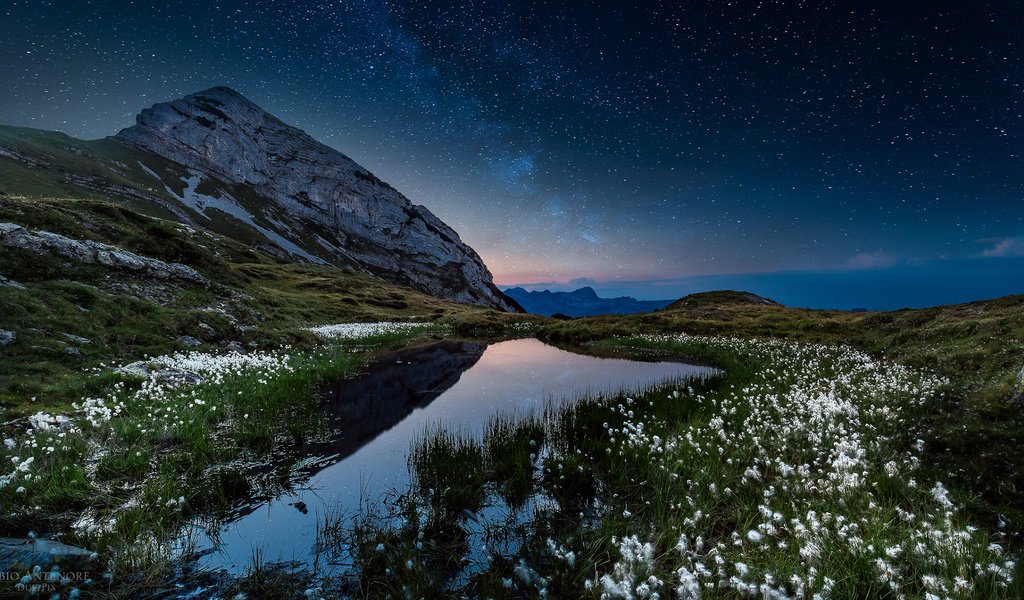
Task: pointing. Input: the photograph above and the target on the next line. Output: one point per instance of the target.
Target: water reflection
(457, 385)
(393, 387)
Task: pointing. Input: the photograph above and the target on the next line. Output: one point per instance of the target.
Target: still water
(377, 416)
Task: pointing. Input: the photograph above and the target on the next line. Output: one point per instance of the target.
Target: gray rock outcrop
(307, 198)
(7, 337)
(189, 341)
(88, 251)
(84, 341)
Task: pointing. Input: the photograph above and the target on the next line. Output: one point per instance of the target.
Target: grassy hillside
(253, 299)
(48, 164)
(41, 163)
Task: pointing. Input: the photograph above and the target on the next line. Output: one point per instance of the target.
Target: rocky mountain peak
(306, 198)
(585, 292)
(224, 132)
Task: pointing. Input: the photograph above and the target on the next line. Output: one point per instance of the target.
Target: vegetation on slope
(140, 455)
(253, 299)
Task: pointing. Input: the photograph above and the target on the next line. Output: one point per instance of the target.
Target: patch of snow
(336, 250)
(226, 204)
(150, 171)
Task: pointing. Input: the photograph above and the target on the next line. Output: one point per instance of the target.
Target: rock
(5, 282)
(189, 341)
(207, 331)
(73, 352)
(120, 260)
(20, 554)
(135, 369)
(314, 202)
(90, 252)
(7, 337)
(235, 347)
(1018, 389)
(78, 339)
(9, 228)
(147, 370)
(164, 295)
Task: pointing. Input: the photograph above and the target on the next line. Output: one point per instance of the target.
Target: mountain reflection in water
(393, 387)
(378, 415)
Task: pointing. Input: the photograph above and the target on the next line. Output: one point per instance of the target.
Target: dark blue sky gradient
(819, 145)
(902, 286)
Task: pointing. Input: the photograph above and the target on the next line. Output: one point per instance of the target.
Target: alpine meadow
(526, 300)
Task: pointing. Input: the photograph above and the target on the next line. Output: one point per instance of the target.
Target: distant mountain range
(217, 161)
(583, 302)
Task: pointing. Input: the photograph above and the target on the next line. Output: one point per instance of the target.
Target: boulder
(189, 341)
(120, 260)
(7, 337)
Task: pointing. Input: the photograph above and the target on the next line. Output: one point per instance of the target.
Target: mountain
(721, 298)
(216, 160)
(583, 302)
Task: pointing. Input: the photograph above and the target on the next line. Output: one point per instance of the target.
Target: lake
(376, 416)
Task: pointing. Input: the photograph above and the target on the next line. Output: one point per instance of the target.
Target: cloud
(1011, 246)
(870, 260)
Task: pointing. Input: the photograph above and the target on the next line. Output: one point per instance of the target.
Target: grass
(972, 432)
(253, 299)
(145, 457)
(798, 471)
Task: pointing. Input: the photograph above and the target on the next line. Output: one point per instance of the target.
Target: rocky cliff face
(308, 199)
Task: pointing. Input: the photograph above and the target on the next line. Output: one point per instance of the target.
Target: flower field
(796, 475)
(167, 438)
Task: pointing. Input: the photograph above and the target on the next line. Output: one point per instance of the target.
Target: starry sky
(828, 153)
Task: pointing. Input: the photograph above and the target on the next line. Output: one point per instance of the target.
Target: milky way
(596, 139)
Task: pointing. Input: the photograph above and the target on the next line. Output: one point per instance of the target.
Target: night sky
(832, 154)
